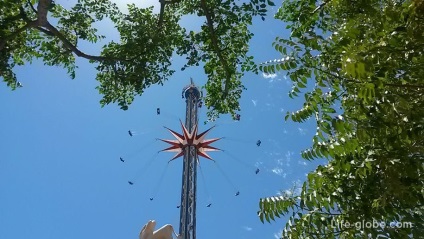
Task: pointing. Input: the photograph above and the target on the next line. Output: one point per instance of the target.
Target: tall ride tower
(189, 177)
(191, 145)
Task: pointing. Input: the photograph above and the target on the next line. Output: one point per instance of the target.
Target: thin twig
(32, 6)
(320, 6)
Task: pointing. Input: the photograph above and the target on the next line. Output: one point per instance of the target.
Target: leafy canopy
(31, 29)
(361, 65)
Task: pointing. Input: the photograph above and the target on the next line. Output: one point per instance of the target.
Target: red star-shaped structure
(186, 139)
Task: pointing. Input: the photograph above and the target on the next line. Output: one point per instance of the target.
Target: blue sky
(60, 173)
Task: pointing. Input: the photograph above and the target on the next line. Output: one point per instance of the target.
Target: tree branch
(16, 33)
(22, 15)
(45, 27)
(70, 46)
(47, 32)
(163, 3)
(216, 47)
(162, 12)
(12, 18)
(43, 9)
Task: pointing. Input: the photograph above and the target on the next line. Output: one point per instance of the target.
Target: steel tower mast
(192, 95)
(190, 145)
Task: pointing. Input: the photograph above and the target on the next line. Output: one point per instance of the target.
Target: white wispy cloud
(288, 192)
(247, 228)
(280, 161)
(297, 187)
(279, 172)
(288, 158)
(302, 131)
(278, 234)
(288, 81)
(269, 76)
(255, 102)
(288, 155)
(276, 144)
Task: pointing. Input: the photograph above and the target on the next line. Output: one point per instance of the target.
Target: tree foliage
(43, 29)
(360, 64)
